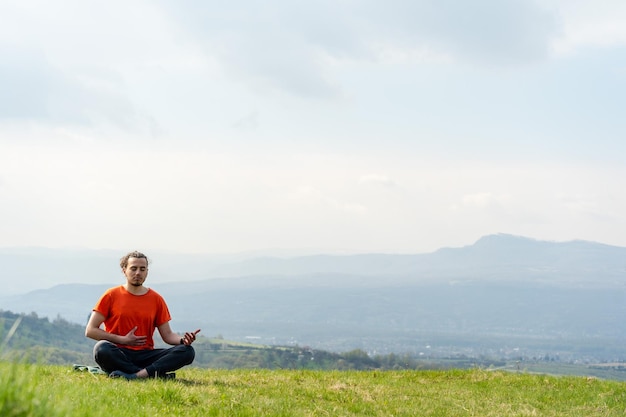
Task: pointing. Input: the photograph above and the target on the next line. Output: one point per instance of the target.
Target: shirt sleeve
(163, 313)
(103, 306)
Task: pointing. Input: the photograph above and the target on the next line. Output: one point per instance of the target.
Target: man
(130, 313)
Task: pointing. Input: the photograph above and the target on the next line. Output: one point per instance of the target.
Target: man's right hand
(131, 339)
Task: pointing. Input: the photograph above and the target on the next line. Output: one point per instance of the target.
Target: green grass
(48, 390)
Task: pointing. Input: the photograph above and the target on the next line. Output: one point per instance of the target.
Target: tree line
(38, 339)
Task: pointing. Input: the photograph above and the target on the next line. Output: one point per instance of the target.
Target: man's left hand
(189, 338)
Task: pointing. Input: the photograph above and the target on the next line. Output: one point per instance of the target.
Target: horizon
(298, 252)
(50, 267)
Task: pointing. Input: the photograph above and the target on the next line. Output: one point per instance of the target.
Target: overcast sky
(396, 126)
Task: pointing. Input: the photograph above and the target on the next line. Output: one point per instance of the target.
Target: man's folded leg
(111, 358)
(164, 361)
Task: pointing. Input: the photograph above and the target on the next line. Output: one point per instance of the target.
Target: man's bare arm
(172, 338)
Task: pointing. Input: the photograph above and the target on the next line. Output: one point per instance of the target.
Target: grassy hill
(238, 389)
(38, 390)
(39, 340)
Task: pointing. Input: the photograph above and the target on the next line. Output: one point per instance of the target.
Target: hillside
(39, 340)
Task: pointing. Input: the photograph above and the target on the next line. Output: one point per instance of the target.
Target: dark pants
(157, 362)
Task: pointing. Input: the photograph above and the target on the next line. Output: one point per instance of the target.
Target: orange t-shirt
(123, 311)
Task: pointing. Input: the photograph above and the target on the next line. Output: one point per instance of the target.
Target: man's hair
(133, 254)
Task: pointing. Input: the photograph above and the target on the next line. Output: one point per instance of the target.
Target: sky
(336, 126)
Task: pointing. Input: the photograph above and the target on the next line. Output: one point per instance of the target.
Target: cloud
(88, 65)
(589, 24)
(484, 32)
(25, 83)
(33, 89)
(377, 179)
(596, 207)
(248, 122)
(73, 63)
(270, 46)
(482, 200)
(313, 197)
(300, 48)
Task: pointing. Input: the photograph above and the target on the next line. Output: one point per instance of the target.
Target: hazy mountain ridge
(488, 253)
(26, 269)
(500, 291)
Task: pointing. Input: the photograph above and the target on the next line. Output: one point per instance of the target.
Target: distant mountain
(491, 257)
(491, 254)
(500, 294)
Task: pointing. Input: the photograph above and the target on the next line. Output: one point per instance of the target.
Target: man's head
(135, 268)
(133, 254)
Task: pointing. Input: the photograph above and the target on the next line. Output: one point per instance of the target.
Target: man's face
(136, 271)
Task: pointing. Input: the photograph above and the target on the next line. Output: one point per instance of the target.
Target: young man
(130, 313)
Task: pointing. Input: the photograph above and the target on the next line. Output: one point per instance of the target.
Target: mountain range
(503, 295)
